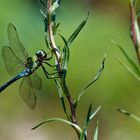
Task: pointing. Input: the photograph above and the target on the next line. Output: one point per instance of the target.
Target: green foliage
(128, 114)
(77, 31)
(60, 120)
(90, 116)
(61, 61)
(62, 68)
(135, 37)
(95, 137)
(65, 57)
(128, 58)
(92, 81)
(61, 96)
(134, 70)
(128, 69)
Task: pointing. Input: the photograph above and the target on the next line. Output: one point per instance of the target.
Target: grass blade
(61, 98)
(77, 31)
(60, 120)
(89, 117)
(128, 69)
(128, 58)
(84, 132)
(129, 114)
(93, 80)
(66, 55)
(64, 40)
(95, 137)
(88, 114)
(94, 113)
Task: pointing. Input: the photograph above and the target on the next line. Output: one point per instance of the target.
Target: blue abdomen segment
(9, 82)
(25, 73)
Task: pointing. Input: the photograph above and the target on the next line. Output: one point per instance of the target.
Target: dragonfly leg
(50, 75)
(50, 64)
(49, 58)
(52, 53)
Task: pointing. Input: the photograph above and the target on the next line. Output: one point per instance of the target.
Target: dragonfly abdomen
(10, 82)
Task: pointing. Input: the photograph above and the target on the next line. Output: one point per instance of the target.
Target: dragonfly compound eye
(41, 54)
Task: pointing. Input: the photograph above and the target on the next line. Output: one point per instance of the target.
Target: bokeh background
(109, 20)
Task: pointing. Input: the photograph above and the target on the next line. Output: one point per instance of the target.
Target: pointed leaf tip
(95, 137)
(95, 112)
(123, 111)
(128, 58)
(77, 31)
(129, 114)
(60, 120)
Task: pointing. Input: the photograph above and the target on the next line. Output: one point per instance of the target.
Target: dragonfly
(18, 62)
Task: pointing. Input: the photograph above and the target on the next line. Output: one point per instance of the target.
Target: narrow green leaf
(128, 58)
(93, 80)
(47, 41)
(54, 6)
(84, 133)
(60, 120)
(42, 4)
(64, 40)
(128, 69)
(57, 26)
(83, 136)
(123, 111)
(77, 31)
(65, 57)
(95, 137)
(88, 114)
(59, 89)
(94, 113)
(129, 114)
(89, 117)
(61, 98)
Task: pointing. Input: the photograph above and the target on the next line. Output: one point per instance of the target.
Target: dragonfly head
(41, 54)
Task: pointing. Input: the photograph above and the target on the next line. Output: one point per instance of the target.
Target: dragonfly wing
(27, 93)
(36, 81)
(15, 43)
(12, 63)
(24, 52)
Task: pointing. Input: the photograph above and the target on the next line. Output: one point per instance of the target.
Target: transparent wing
(36, 81)
(12, 63)
(15, 44)
(27, 93)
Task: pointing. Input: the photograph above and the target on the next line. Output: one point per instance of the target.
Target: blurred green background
(109, 20)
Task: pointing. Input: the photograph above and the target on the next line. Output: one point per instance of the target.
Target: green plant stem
(134, 29)
(51, 36)
(63, 81)
(71, 104)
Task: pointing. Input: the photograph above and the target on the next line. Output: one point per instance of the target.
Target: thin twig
(50, 33)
